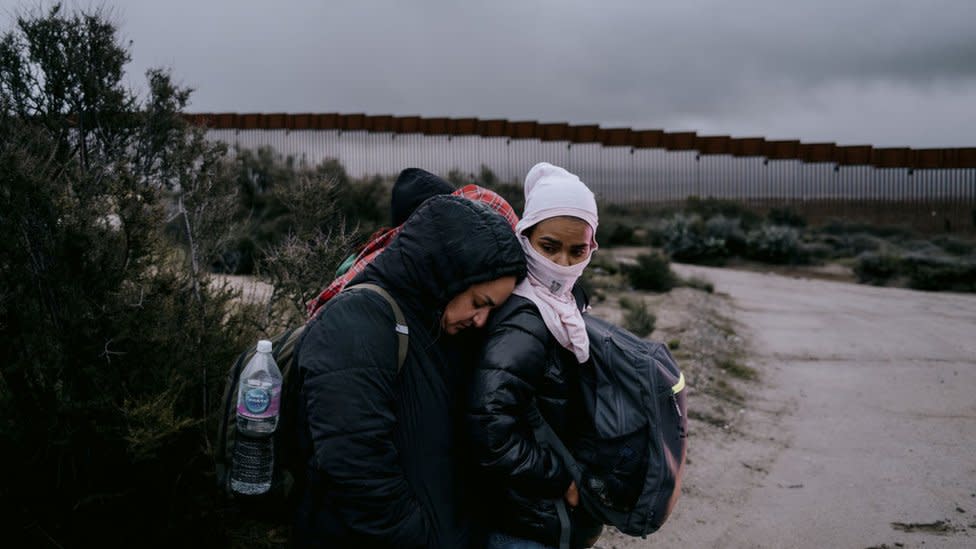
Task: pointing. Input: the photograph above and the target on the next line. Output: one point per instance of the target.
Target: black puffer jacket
(522, 362)
(382, 465)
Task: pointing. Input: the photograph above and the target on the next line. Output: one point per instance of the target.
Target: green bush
(707, 208)
(116, 341)
(604, 263)
(656, 232)
(686, 240)
(652, 272)
(923, 272)
(364, 204)
(259, 216)
(698, 283)
(843, 245)
(637, 317)
(939, 273)
(117, 338)
(264, 218)
(786, 216)
(737, 369)
(300, 263)
(727, 230)
(859, 243)
(616, 233)
(890, 232)
(955, 245)
(818, 251)
(775, 244)
(921, 247)
(877, 268)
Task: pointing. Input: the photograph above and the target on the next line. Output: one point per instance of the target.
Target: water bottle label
(257, 400)
(259, 403)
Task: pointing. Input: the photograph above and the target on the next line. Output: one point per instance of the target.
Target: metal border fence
(929, 189)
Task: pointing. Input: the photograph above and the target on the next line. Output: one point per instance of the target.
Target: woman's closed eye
(482, 302)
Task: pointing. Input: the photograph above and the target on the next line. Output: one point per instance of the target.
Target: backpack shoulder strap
(545, 435)
(281, 341)
(401, 324)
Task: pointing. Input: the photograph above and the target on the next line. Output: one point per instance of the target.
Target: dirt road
(861, 432)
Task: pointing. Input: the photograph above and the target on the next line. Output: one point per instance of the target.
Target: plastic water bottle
(258, 403)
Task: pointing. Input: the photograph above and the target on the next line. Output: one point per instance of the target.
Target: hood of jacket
(412, 187)
(447, 244)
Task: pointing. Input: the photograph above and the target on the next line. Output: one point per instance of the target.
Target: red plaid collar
(382, 239)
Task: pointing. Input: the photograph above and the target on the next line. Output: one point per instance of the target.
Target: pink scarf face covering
(550, 286)
(552, 191)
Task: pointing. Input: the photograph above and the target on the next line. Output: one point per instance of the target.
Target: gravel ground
(859, 433)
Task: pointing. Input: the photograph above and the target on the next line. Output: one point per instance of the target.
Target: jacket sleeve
(348, 361)
(511, 366)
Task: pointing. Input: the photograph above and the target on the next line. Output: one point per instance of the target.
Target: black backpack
(288, 461)
(628, 461)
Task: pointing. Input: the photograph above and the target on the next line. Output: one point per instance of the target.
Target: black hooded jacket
(523, 363)
(412, 187)
(382, 464)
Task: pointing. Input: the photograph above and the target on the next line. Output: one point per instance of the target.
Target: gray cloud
(886, 72)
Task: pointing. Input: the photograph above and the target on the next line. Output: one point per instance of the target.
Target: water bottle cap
(264, 346)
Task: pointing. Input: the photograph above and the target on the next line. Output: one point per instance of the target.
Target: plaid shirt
(381, 239)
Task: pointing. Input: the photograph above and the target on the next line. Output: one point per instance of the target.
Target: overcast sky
(880, 72)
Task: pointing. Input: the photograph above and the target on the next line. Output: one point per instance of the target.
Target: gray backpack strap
(401, 324)
(545, 435)
(565, 526)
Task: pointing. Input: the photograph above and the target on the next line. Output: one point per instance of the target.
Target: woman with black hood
(383, 466)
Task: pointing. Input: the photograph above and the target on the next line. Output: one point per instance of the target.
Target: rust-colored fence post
(930, 189)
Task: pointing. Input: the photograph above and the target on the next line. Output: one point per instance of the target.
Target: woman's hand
(572, 495)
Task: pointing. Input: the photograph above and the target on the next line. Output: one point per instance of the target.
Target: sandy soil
(252, 290)
(861, 431)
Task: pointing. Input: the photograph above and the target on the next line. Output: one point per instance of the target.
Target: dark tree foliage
(259, 215)
(114, 343)
(280, 200)
(300, 224)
